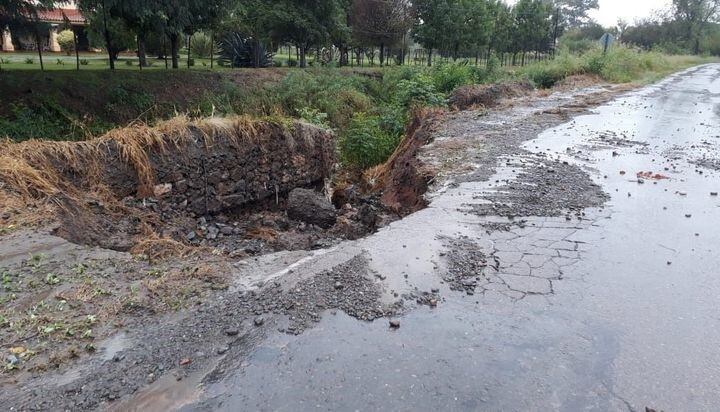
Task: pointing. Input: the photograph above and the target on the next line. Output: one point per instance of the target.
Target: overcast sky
(611, 10)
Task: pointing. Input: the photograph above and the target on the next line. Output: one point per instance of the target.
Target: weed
(314, 116)
(35, 261)
(7, 281)
(52, 279)
(60, 62)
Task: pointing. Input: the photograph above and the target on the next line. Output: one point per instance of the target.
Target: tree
(306, 23)
(575, 12)
(184, 17)
(107, 28)
(380, 22)
(432, 23)
(694, 16)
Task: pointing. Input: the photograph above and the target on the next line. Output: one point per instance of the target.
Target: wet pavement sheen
(617, 311)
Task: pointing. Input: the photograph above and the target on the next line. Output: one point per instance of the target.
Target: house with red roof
(66, 17)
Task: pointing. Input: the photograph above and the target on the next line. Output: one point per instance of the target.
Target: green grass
(367, 107)
(618, 65)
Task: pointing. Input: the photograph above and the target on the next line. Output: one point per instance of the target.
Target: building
(58, 18)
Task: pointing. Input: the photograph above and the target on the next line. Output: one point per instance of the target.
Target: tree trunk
(39, 47)
(188, 51)
(108, 42)
(430, 51)
(256, 63)
(175, 50)
(382, 54)
(164, 51)
(303, 60)
(344, 53)
(77, 52)
(212, 48)
(142, 54)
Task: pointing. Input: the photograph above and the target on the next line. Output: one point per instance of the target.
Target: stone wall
(201, 167)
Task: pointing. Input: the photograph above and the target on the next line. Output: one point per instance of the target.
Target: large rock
(311, 207)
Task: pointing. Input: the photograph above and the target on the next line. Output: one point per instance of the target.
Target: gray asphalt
(617, 311)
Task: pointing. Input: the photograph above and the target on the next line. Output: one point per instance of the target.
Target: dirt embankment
(111, 191)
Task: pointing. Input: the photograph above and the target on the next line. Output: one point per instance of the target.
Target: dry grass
(37, 170)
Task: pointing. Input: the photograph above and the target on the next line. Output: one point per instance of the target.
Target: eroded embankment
(115, 190)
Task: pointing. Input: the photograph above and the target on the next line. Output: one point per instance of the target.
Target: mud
(190, 341)
(487, 96)
(544, 188)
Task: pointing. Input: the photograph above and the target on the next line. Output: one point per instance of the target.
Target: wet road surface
(614, 310)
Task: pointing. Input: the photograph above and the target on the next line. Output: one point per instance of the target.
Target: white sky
(630, 10)
(611, 10)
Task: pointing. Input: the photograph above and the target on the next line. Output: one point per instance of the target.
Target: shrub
(201, 45)
(448, 77)
(191, 62)
(314, 116)
(84, 62)
(29, 60)
(128, 62)
(292, 63)
(66, 40)
(60, 62)
(420, 91)
(365, 143)
(238, 50)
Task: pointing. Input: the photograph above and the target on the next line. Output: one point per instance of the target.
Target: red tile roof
(58, 16)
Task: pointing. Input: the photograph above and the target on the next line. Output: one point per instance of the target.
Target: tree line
(346, 29)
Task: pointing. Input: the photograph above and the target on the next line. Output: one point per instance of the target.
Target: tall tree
(694, 16)
(432, 24)
(380, 22)
(575, 12)
(183, 17)
(307, 23)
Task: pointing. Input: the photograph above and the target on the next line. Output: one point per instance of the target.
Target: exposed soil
(544, 188)
(488, 96)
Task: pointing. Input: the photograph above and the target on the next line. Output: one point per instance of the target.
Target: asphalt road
(617, 310)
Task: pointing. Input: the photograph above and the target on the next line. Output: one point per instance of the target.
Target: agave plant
(238, 50)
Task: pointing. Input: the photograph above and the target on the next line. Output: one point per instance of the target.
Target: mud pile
(490, 95)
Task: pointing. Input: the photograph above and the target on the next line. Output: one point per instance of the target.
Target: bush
(292, 63)
(420, 91)
(201, 45)
(84, 62)
(128, 62)
(191, 62)
(448, 77)
(314, 116)
(60, 62)
(238, 50)
(66, 40)
(29, 60)
(365, 144)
